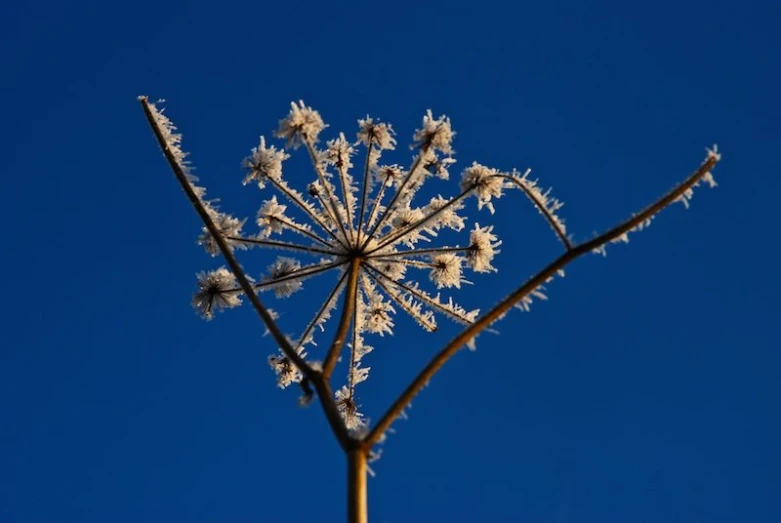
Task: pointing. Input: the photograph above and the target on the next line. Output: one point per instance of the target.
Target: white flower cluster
(344, 220)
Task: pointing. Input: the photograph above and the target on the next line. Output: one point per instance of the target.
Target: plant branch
(225, 249)
(302, 204)
(310, 147)
(423, 297)
(389, 209)
(375, 206)
(303, 272)
(297, 228)
(325, 307)
(419, 252)
(556, 224)
(541, 277)
(394, 237)
(344, 323)
(420, 317)
(365, 186)
(281, 245)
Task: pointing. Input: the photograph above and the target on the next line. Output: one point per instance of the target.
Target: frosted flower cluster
(366, 218)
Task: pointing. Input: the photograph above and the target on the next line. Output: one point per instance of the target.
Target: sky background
(645, 390)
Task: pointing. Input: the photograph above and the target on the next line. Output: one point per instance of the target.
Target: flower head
(348, 408)
(287, 373)
(369, 222)
(435, 133)
(216, 290)
(281, 277)
(302, 123)
(485, 184)
(380, 135)
(482, 249)
(446, 270)
(264, 163)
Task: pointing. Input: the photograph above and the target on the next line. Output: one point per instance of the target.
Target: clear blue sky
(645, 390)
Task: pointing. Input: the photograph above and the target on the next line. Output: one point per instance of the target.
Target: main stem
(356, 485)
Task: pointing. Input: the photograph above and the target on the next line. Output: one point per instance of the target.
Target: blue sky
(645, 390)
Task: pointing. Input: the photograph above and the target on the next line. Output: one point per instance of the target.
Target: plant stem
(356, 485)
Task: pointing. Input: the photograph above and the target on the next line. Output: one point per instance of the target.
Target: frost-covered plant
(367, 227)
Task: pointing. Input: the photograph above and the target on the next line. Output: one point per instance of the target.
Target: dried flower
(482, 249)
(302, 123)
(436, 133)
(446, 270)
(264, 163)
(216, 290)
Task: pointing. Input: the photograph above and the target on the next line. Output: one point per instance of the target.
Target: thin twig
(322, 387)
(384, 242)
(310, 147)
(375, 206)
(541, 277)
(543, 210)
(365, 186)
(225, 249)
(306, 271)
(323, 308)
(281, 245)
(295, 227)
(301, 204)
(423, 297)
(396, 297)
(419, 252)
(389, 209)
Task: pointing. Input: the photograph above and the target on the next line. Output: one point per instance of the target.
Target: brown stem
(316, 378)
(541, 277)
(344, 322)
(357, 510)
(225, 249)
(543, 210)
(419, 252)
(280, 245)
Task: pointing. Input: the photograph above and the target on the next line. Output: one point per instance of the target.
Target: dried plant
(369, 232)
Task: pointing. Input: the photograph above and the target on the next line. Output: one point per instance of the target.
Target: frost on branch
(686, 197)
(542, 200)
(370, 224)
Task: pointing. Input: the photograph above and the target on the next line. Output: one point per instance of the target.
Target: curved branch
(552, 220)
(541, 277)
